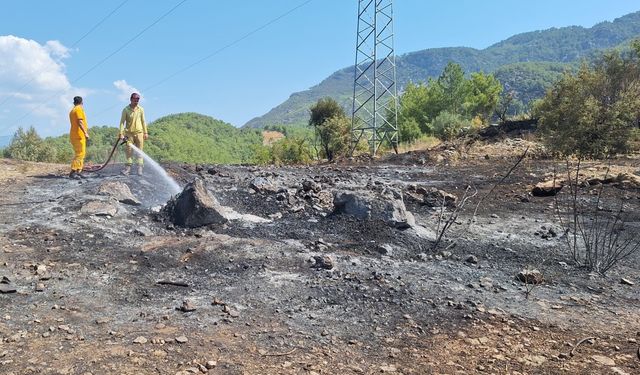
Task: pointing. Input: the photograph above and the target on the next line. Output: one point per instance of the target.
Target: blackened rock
(195, 207)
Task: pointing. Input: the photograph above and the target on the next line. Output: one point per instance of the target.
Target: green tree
(409, 130)
(454, 88)
(331, 126)
(592, 113)
(483, 96)
(421, 104)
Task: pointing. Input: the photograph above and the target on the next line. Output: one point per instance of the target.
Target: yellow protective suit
(77, 138)
(80, 150)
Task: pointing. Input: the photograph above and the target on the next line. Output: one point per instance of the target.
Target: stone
(187, 306)
(431, 196)
(195, 207)
(323, 262)
(606, 361)
(547, 188)
(100, 208)
(627, 282)
(119, 191)
(534, 277)
(472, 259)
(140, 340)
(181, 339)
(263, 184)
(388, 206)
(6, 289)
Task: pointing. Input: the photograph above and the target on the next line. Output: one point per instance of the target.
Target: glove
(88, 142)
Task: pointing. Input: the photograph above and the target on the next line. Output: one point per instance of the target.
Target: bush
(30, 147)
(448, 126)
(591, 114)
(290, 151)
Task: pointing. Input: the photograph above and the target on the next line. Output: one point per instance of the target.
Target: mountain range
(526, 64)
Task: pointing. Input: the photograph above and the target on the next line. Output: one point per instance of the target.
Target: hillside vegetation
(185, 137)
(526, 64)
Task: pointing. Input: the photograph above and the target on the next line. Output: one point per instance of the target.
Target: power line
(219, 50)
(73, 45)
(105, 59)
(245, 36)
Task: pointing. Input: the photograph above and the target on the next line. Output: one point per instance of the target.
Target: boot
(139, 169)
(126, 170)
(74, 175)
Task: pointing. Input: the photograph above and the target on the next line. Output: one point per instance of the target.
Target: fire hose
(119, 141)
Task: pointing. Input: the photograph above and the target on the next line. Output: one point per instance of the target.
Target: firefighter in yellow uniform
(78, 135)
(134, 128)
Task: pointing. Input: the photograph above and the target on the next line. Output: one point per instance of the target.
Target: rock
(547, 188)
(140, 340)
(181, 339)
(195, 207)
(262, 184)
(39, 287)
(311, 186)
(431, 196)
(618, 371)
(187, 306)
(534, 277)
(388, 369)
(627, 282)
(388, 207)
(119, 191)
(100, 208)
(144, 232)
(606, 361)
(472, 259)
(385, 249)
(6, 289)
(211, 364)
(323, 262)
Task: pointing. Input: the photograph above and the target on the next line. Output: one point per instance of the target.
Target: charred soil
(96, 286)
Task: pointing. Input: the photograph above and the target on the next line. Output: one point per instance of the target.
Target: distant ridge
(510, 59)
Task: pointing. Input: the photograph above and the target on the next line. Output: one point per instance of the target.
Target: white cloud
(34, 88)
(56, 49)
(125, 90)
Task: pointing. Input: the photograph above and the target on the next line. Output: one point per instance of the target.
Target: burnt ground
(99, 293)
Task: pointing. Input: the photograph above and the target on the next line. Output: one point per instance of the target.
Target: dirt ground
(96, 286)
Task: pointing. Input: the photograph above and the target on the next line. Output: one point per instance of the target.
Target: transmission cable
(105, 59)
(219, 50)
(73, 45)
(245, 36)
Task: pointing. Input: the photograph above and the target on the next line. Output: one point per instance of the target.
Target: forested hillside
(525, 64)
(184, 137)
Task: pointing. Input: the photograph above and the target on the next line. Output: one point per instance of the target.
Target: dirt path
(129, 293)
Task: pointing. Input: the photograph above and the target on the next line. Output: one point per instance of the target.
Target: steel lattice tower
(375, 95)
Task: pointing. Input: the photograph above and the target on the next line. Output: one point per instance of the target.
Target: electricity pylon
(375, 95)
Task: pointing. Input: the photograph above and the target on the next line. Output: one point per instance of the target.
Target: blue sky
(249, 59)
